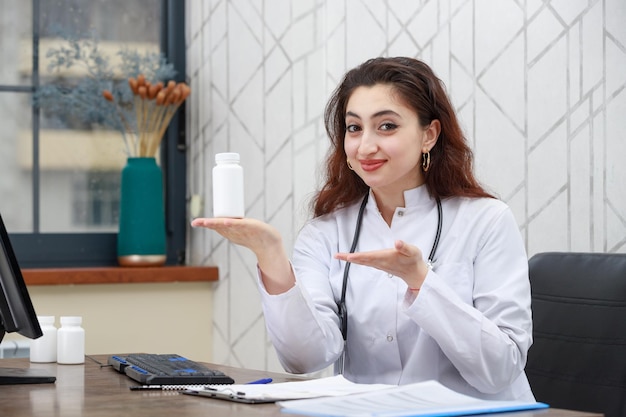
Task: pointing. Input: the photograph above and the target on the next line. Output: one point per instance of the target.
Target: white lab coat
(469, 327)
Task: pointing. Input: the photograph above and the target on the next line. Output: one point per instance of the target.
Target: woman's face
(384, 140)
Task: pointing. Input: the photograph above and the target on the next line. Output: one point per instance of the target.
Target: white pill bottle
(228, 186)
(71, 341)
(44, 348)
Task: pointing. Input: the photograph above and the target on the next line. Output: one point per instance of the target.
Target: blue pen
(261, 381)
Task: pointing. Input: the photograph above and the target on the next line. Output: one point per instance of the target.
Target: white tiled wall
(539, 86)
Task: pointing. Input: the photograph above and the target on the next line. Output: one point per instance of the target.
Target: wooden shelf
(119, 275)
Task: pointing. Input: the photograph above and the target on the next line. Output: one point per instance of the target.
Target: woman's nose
(368, 143)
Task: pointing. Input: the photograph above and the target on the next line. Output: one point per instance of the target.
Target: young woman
(421, 269)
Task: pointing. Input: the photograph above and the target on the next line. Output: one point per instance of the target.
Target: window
(60, 176)
(96, 200)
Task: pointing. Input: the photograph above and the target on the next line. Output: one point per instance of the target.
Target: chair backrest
(578, 357)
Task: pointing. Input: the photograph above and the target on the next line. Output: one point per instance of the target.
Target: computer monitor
(16, 313)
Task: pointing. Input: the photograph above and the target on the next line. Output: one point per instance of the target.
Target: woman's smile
(370, 165)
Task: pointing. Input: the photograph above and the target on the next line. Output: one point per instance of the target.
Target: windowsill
(119, 275)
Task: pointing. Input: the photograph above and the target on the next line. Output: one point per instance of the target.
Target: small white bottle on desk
(44, 348)
(228, 186)
(71, 341)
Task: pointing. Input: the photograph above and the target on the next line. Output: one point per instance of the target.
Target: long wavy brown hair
(451, 168)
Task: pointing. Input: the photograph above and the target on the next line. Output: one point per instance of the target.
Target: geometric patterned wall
(540, 87)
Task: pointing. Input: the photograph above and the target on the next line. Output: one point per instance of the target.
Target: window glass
(16, 161)
(17, 42)
(60, 165)
(97, 201)
(111, 20)
(81, 154)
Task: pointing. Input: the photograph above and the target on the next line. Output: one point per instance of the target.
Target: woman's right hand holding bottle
(262, 239)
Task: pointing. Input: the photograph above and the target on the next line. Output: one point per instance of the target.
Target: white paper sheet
(428, 398)
(321, 387)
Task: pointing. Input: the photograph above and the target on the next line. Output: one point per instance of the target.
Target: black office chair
(578, 357)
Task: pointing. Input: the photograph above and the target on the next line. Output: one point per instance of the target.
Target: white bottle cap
(227, 157)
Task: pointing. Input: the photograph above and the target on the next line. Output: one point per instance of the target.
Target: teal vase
(141, 235)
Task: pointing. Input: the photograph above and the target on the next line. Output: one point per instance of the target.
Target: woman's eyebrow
(377, 114)
(386, 113)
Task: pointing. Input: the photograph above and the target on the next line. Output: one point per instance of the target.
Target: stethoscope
(343, 312)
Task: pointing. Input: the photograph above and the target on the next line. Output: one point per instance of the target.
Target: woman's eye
(352, 128)
(388, 126)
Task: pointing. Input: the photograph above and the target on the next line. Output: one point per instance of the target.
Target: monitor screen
(16, 311)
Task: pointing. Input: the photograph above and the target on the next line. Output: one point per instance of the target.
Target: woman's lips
(371, 165)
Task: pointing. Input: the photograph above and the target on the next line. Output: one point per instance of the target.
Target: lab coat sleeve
(488, 341)
(302, 323)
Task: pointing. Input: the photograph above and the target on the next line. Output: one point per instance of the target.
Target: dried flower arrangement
(155, 105)
(132, 96)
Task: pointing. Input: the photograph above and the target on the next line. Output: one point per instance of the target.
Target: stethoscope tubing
(342, 310)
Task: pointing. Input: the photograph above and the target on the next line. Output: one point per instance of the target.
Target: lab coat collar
(418, 197)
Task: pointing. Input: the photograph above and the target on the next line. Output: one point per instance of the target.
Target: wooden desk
(92, 390)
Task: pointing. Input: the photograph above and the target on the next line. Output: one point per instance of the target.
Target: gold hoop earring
(426, 161)
(349, 166)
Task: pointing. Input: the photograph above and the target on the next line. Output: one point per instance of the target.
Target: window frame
(54, 250)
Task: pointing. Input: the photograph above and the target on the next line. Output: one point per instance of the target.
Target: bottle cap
(227, 157)
(71, 320)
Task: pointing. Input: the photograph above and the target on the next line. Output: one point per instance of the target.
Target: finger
(366, 258)
(212, 222)
(205, 222)
(198, 222)
(343, 256)
(403, 248)
(348, 257)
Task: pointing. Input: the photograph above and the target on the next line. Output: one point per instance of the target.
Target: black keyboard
(166, 369)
